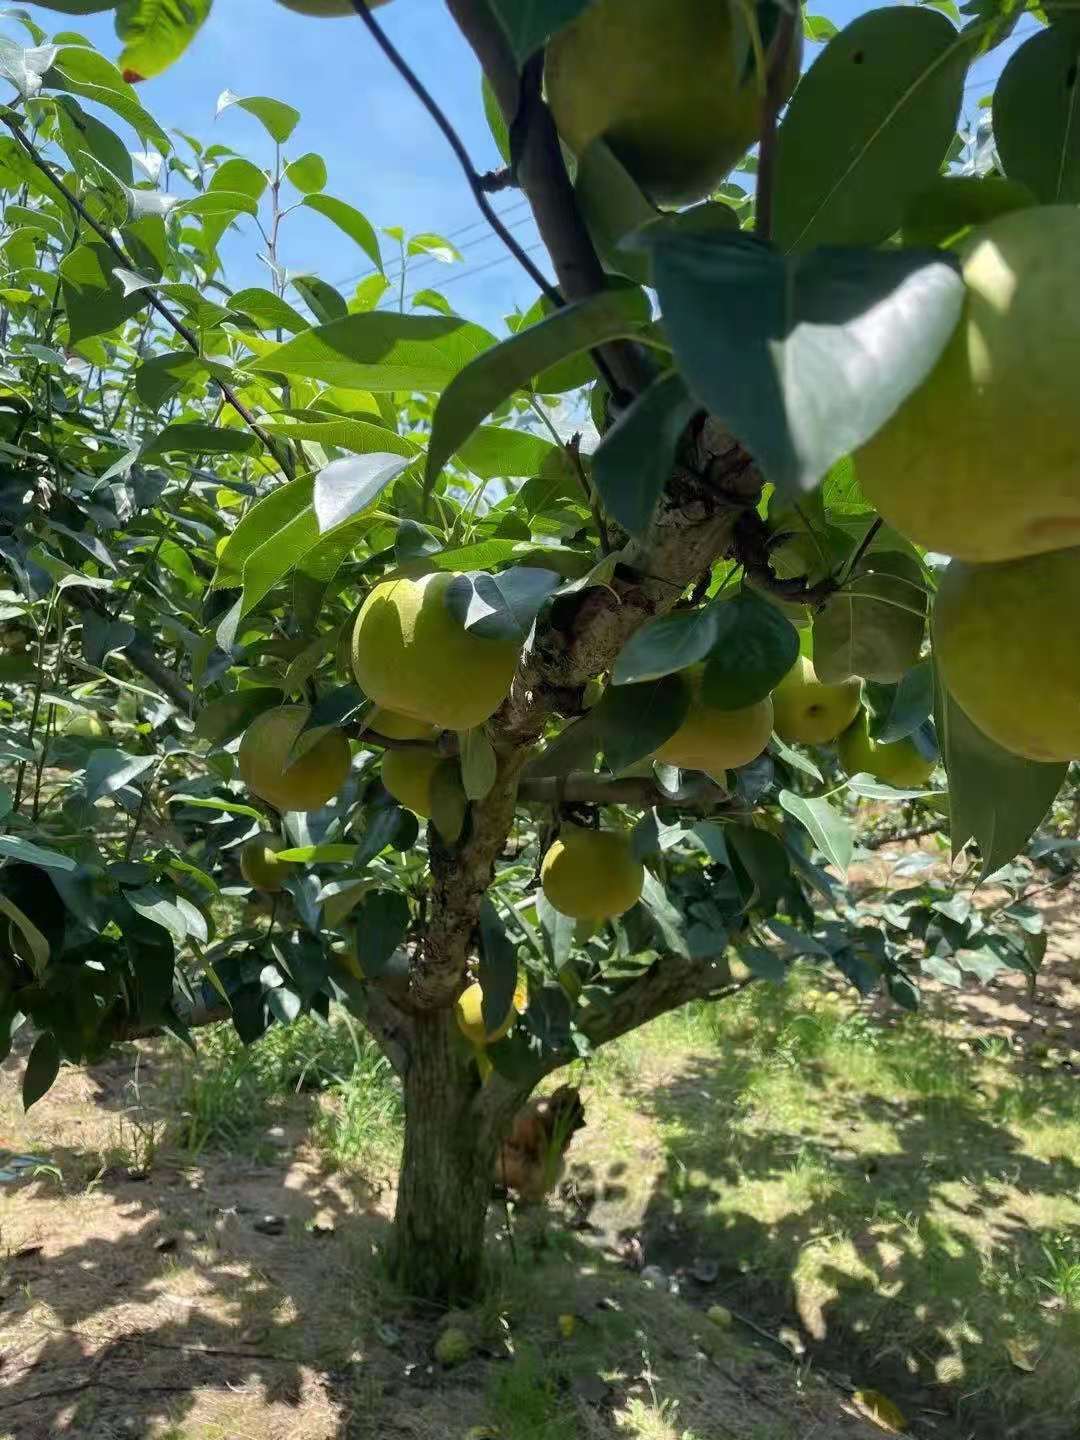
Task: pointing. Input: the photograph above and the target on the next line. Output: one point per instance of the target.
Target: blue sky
(384, 154)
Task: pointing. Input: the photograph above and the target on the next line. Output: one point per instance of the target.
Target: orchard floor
(886, 1204)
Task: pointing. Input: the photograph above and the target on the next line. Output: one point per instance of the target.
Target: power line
(467, 274)
(511, 210)
(420, 262)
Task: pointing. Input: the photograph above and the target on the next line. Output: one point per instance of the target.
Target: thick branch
(541, 173)
(585, 788)
(671, 982)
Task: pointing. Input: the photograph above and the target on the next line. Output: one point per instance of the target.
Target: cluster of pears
(982, 463)
(674, 87)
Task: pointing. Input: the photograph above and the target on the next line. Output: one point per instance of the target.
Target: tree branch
(541, 173)
(671, 982)
(775, 85)
(585, 788)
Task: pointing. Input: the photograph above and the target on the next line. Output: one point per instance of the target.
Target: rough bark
(452, 1132)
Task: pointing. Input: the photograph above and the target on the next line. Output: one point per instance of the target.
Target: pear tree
(511, 687)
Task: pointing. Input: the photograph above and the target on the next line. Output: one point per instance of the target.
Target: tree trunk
(447, 1169)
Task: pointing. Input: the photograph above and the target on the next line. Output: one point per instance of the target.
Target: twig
(573, 449)
(861, 549)
(777, 65)
(453, 139)
(188, 336)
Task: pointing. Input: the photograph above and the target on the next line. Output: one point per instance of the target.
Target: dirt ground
(224, 1297)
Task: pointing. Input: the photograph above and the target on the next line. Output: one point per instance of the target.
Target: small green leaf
(324, 302)
(42, 1068)
(897, 711)
(874, 626)
(157, 32)
(633, 461)
(448, 801)
(667, 644)
(478, 764)
(110, 770)
(279, 119)
(829, 830)
(503, 606)
(195, 438)
(498, 969)
(531, 24)
(495, 375)
(804, 357)
(346, 487)
(307, 173)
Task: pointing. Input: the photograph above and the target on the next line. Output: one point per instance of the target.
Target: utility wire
(523, 215)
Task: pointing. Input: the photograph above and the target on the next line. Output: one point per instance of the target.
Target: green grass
(916, 1206)
(230, 1094)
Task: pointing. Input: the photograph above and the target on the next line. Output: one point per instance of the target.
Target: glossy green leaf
(14, 847)
(826, 826)
(110, 770)
(350, 221)
(278, 119)
(195, 438)
(503, 606)
(804, 357)
(498, 969)
(874, 626)
(493, 451)
(307, 173)
(1037, 115)
(632, 721)
(867, 127)
(222, 720)
(346, 487)
(944, 213)
(633, 461)
(754, 648)
(381, 924)
(94, 299)
(500, 131)
(85, 72)
(156, 32)
(897, 711)
(479, 766)
(502, 369)
(667, 644)
(324, 302)
(380, 351)
(267, 310)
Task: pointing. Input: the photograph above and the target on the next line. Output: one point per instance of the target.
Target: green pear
(671, 85)
(981, 461)
(898, 762)
(1005, 643)
(808, 712)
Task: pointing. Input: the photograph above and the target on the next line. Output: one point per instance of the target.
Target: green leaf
(944, 213)
(42, 1068)
(829, 830)
(557, 930)
(668, 919)
(153, 904)
(754, 648)
(24, 66)
(613, 207)
(110, 770)
(633, 720)
(346, 487)
(764, 963)
(94, 299)
(156, 32)
(494, 376)
(222, 720)
(996, 799)
(16, 848)
(667, 644)
(761, 865)
(867, 127)
(350, 221)
(278, 119)
(380, 351)
(498, 969)
(211, 802)
(633, 461)
(1037, 115)
(479, 766)
(874, 626)
(324, 302)
(529, 24)
(897, 711)
(267, 310)
(218, 203)
(307, 173)
(86, 72)
(319, 854)
(503, 606)
(448, 801)
(495, 452)
(195, 438)
(382, 922)
(804, 357)
(500, 131)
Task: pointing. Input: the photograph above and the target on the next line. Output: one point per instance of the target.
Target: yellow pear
(981, 462)
(407, 774)
(811, 713)
(897, 762)
(670, 85)
(1005, 640)
(716, 740)
(591, 874)
(399, 727)
(469, 1011)
(260, 866)
(411, 655)
(313, 778)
